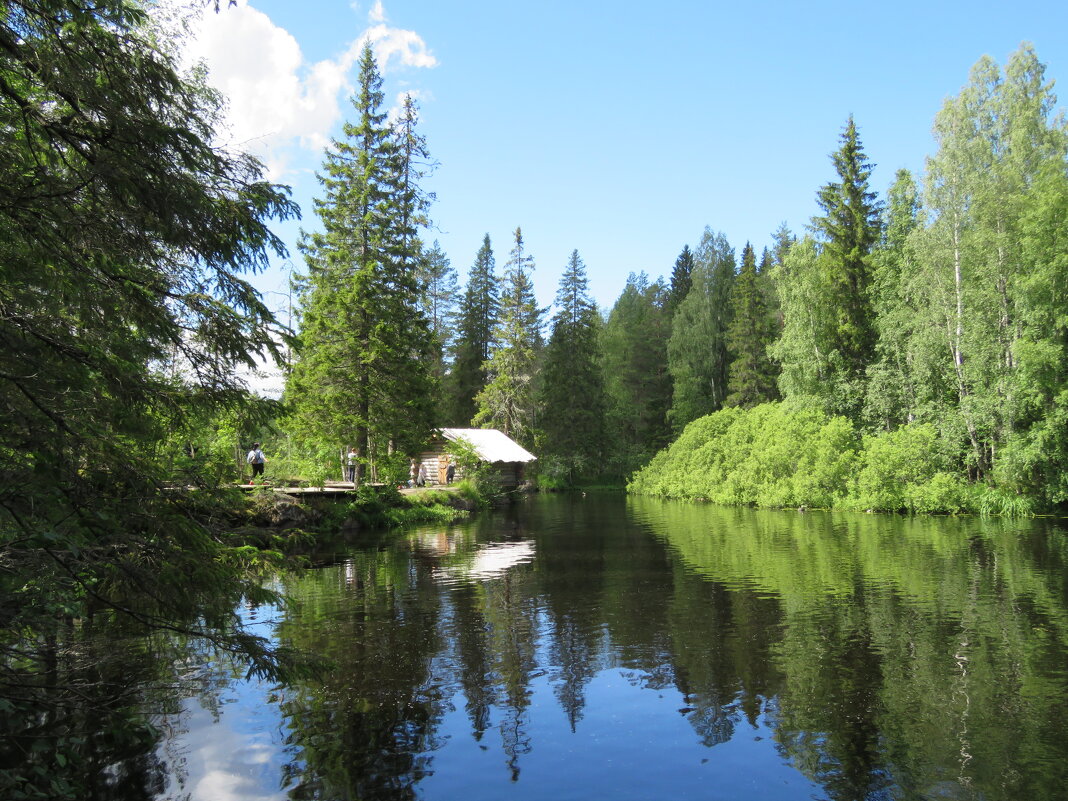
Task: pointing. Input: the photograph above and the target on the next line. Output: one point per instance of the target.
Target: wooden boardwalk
(341, 488)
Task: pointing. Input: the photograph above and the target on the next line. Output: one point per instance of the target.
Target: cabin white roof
(490, 444)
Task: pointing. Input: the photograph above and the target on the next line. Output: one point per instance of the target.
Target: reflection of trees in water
(830, 704)
(915, 655)
(106, 712)
(471, 633)
(367, 731)
(889, 658)
(574, 666)
(512, 612)
(593, 603)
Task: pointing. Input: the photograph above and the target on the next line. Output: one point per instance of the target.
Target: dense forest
(905, 352)
(923, 326)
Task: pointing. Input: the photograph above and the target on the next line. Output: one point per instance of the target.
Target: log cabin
(508, 458)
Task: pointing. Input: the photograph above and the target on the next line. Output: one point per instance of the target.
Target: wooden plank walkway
(341, 488)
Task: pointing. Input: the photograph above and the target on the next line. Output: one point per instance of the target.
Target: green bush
(907, 470)
(794, 454)
(775, 454)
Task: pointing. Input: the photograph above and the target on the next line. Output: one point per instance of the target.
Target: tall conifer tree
(438, 299)
(572, 389)
(507, 400)
(848, 231)
(479, 310)
(681, 279)
(362, 376)
(752, 378)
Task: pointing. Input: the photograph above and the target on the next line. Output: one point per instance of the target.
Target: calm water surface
(604, 647)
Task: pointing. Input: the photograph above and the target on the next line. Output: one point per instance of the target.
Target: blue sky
(620, 130)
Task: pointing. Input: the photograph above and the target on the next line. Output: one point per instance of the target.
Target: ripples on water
(603, 647)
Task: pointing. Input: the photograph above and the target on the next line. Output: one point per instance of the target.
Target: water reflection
(603, 647)
(457, 559)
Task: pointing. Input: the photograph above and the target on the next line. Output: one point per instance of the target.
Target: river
(605, 647)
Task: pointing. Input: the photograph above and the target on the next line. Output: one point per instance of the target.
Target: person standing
(413, 473)
(350, 465)
(257, 460)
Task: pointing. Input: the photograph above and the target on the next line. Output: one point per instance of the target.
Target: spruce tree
(572, 388)
(479, 310)
(127, 235)
(848, 231)
(438, 298)
(507, 400)
(681, 279)
(752, 378)
(362, 375)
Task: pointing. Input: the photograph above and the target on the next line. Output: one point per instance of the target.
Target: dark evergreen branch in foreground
(126, 235)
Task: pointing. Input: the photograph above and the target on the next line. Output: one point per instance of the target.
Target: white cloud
(279, 103)
(407, 46)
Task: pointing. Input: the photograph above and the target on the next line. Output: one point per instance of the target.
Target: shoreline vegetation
(792, 454)
(266, 518)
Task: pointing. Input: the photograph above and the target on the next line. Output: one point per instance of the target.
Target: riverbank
(295, 520)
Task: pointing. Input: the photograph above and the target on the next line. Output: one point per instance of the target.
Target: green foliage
(507, 401)
(126, 235)
(893, 386)
(849, 230)
(471, 492)
(751, 331)
(479, 311)
(824, 285)
(908, 469)
(681, 279)
(776, 454)
(126, 238)
(987, 349)
(1000, 502)
(438, 295)
(698, 353)
(362, 376)
(477, 477)
(794, 454)
(637, 382)
(572, 396)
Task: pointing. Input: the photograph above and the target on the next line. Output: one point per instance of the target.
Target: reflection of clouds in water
(492, 560)
(234, 761)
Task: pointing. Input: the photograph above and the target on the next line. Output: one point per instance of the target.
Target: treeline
(941, 304)
(942, 307)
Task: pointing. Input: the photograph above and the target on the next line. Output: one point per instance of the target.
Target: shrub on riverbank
(793, 454)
